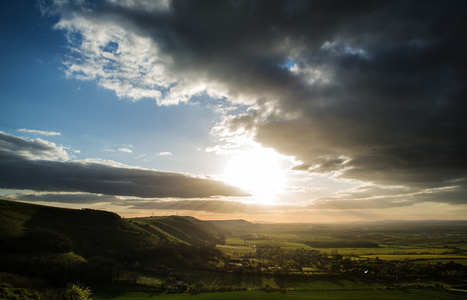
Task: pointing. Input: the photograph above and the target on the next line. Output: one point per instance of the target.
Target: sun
(258, 172)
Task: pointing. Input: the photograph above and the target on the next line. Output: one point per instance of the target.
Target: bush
(77, 292)
(8, 292)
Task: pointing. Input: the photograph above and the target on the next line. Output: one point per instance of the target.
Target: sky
(268, 111)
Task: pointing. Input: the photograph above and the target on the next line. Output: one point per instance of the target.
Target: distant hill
(28, 227)
(236, 225)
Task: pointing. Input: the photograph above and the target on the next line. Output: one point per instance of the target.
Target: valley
(48, 251)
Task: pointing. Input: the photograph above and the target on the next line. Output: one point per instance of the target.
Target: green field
(212, 279)
(385, 251)
(231, 250)
(435, 261)
(234, 241)
(357, 295)
(283, 243)
(416, 257)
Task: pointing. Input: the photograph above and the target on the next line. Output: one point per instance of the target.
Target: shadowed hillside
(28, 228)
(44, 246)
(60, 245)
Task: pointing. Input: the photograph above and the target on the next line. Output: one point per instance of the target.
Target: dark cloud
(72, 198)
(371, 90)
(30, 149)
(207, 205)
(216, 206)
(377, 197)
(19, 171)
(212, 206)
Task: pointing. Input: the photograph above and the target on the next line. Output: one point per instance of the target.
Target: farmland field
(436, 261)
(231, 250)
(176, 257)
(415, 257)
(385, 251)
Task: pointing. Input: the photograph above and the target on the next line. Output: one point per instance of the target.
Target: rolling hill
(58, 246)
(237, 225)
(31, 228)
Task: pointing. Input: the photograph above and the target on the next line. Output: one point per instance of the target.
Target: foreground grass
(367, 294)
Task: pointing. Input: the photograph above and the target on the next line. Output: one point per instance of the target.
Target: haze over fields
(284, 111)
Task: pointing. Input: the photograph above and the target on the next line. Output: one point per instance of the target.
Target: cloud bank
(43, 166)
(372, 91)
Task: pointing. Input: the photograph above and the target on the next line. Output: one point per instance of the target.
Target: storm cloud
(373, 91)
(26, 164)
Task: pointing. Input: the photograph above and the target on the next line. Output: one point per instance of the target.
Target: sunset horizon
(266, 111)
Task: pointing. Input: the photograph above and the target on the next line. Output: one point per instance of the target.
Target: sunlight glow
(258, 172)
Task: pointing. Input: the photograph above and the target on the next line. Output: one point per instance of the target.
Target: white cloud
(126, 150)
(105, 162)
(146, 5)
(165, 153)
(107, 51)
(39, 131)
(120, 57)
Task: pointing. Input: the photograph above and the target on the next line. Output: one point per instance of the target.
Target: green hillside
(185, 229)
(57, 246)
(29, 227)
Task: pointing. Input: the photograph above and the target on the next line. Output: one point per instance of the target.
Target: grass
(280, 243)
(230, 250)
(253, 295)
(70, 256)
(252, 282)
(13, 217)
(307, 283)
(140, 278)
(234, 241)
(234, 280)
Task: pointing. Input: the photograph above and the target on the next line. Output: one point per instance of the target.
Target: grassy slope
(236, 225)
(89, 231)
(92, 232)
(356, 295)
(186, 229)
(13, 217)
